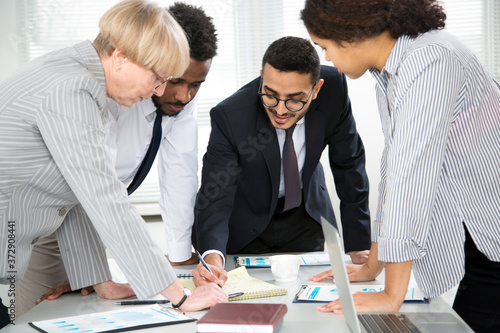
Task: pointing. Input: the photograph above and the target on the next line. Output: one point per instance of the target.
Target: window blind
(245, 29)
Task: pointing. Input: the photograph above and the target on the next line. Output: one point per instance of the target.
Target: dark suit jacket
(241, 169)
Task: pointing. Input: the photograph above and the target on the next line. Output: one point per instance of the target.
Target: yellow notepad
(239, 281)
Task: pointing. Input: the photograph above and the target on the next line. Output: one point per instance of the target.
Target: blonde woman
(55, 169)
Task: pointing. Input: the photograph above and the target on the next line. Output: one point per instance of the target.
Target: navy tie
(293, 192)
(148, 160)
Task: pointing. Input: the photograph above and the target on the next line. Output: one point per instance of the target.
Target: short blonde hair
(147, 34)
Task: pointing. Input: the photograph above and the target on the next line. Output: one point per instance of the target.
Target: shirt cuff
(399, 250)
(219, 253)
(179, 251)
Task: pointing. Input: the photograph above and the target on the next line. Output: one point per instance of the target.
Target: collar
(396, 56)
(92, 61)
(148, 108)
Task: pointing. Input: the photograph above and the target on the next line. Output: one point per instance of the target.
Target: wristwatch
(187, 293)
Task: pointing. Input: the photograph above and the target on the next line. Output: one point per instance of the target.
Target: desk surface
(301, 317)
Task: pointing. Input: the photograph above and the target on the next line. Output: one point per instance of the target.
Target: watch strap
(178, 305)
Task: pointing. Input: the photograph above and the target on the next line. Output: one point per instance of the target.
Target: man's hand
(359, 257)
(202, 276)
(191, 261)
(113, 290)
(60, 289)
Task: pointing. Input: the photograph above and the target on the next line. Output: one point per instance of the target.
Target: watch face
(187, 292)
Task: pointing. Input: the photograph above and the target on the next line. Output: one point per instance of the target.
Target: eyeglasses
(291, 104)
(159, 79)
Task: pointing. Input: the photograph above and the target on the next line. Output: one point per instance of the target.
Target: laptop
(439, 322)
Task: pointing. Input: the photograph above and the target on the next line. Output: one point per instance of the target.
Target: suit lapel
(315, 134)
(271, 153)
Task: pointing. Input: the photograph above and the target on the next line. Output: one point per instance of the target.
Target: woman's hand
(354, 272)
(204, 297)
(60, 289)
(366, 302)
(397, 277)
(113, 290)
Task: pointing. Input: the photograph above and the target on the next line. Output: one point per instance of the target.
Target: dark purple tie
(293, 192)
(148, 160)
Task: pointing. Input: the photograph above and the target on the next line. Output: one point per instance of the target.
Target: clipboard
(307, 259)
(127, 318)
(328, 293)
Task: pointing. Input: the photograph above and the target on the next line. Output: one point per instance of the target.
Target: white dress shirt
(130, 131)
(439, 109)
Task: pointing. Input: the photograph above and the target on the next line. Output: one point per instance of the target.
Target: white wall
(364, 108)
(8, 38)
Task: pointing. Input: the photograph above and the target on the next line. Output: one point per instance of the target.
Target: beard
(164, 107)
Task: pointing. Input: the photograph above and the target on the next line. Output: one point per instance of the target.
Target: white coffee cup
(285, 267)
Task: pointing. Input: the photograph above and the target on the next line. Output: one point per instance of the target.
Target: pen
(157, 301)
(234, 295)
(205, 264)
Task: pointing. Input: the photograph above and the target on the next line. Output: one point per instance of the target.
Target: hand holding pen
(214, 274)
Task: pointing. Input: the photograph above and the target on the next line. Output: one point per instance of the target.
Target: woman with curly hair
(439, 196)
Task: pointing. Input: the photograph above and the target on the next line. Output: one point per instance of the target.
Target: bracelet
(187, 293)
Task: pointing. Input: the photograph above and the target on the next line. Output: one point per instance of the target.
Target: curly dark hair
(293, 54)
(199, 29)
(356, 20)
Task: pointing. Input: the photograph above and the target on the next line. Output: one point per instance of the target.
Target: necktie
(293, 192)
(147, 162)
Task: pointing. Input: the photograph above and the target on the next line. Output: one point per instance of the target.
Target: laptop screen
(335, 253)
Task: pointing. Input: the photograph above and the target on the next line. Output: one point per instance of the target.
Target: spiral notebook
(240, 281)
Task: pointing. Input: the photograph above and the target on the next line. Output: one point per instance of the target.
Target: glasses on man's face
(160, 81)
(291, 104)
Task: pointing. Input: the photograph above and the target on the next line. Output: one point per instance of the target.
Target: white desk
(300, 318)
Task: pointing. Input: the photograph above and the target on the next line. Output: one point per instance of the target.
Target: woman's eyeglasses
(160, 80)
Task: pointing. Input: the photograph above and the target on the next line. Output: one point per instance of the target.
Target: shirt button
(34, 241)
(62, 211)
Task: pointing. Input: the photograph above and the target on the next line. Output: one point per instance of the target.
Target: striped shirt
(440, 169)
(56, 174)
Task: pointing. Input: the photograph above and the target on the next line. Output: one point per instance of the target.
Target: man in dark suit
(249, 200)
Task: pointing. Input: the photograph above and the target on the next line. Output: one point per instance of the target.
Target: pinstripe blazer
(56, 174)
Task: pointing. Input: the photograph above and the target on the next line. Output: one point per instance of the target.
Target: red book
(242, 317)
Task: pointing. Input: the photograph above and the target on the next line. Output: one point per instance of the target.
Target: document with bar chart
(114, 321)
